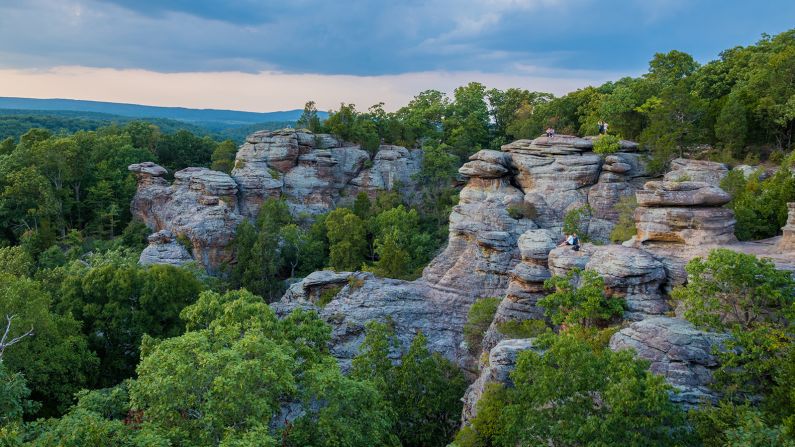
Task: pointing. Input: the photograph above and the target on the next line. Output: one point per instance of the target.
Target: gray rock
(677, 351)
(697, 171)
(163, 248)
(501, 362)
(681, 194)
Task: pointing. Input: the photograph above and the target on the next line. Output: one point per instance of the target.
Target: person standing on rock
(604, 128)
(601, 125)
(550, 132)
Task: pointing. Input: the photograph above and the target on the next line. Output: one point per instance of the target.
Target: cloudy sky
(264, 55)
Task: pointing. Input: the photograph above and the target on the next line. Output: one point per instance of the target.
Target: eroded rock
(163, 248)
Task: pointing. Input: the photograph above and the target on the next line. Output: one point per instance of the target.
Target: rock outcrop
(163, 248)
(501, 361)
(562, 173)
(200, 205)
(526, 285)
(684, 169)
(787, 242)
(687, 212)
(312, 173)
(677, 351)
(484, 230)
(631, 273)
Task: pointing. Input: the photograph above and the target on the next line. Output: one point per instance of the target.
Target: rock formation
(685, 169)
(787, 242)
(501, 361)
(686, 212)
(677, 351)
(200, 205)
(313, 173)
(164, 249)
(630, 273)
(561, 173)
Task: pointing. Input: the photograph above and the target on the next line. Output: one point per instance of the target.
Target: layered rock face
(684, 169)
(526, 285)
(561, 173)
(313, 173)
(787, 242)
(482, 244)
(687, 212)
(677, 351)
(163, 248)
(631, 273)
(200, 205)
(501, 361)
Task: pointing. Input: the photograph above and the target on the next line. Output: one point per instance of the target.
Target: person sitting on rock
(550, 132)
(572, 240)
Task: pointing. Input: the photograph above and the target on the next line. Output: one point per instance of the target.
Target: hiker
(604, 128)
(550, 132)
(572, 240)
(601, 125)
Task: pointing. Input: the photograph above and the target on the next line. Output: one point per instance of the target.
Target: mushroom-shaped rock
(678, 351)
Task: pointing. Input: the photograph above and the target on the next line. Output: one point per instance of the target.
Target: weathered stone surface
(164, 249)
(482, 243)
(482, 169)
(630, 273)
(677, 351)
(684, 169)
(526, 285)
(685, 225)
(685, 193)
(787, 241)
(408, 306)
(200, 204)
(502, 361)
(315, 172)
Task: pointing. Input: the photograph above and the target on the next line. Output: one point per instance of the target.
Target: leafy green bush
(571, 394)
(579, 300)
(478, 320)
(575, 221)
(607, 144)
(625, 226)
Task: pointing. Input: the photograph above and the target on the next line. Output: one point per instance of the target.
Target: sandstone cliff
(312, 173)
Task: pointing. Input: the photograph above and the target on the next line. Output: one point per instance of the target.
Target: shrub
(607, 144)
(579, 300)
(625, 226)
(478, 320)
(575, 221)
(328, 294)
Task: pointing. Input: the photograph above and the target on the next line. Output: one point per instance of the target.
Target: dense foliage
(755, 303)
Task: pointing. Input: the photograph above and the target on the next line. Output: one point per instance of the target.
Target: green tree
(223, 157)
(347, 236)
(568, 393)
(479, 318)
(579, 299)
(424, 389)
(731, 128)
(467, 126)
(309, 119)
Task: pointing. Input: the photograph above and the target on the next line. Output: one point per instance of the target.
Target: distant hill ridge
(228, 117)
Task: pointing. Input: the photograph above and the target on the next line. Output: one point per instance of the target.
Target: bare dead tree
(5, 342)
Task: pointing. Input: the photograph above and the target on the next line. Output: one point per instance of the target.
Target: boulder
(681, 194)
(685, 225)
(684, 169)
(501, 362)
(163, 248)
(677, 351)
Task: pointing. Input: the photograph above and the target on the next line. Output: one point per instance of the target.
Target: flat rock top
(686, 193)
(561, 145)
(148, 168)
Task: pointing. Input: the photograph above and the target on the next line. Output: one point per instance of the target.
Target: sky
(266, 55)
